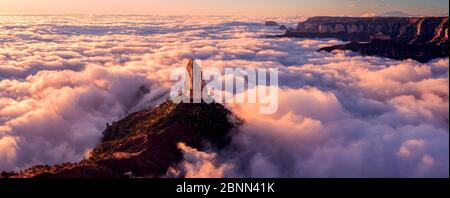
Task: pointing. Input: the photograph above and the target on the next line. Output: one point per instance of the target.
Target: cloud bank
(62, 78)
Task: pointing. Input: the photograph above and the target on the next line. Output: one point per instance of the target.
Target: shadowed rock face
(144, 144)
(418, 38)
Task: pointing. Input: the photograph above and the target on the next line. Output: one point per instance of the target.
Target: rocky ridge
(145, 143)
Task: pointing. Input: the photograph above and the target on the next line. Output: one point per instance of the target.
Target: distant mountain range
(403, 14)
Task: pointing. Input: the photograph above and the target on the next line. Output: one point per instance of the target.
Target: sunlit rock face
(386, 48)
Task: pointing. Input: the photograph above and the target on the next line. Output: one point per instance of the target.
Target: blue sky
(228, 7)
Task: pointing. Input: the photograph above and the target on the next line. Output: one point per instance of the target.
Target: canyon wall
(411, 30)
(418, 38)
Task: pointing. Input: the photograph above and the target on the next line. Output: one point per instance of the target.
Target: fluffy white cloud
(300, 143)
(63, 78)
(54, 116)
(198, 164)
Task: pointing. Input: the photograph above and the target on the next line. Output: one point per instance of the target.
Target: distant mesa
(282, 27)
(271, 23)
(396, 14)
(403, 14)
(418, 38)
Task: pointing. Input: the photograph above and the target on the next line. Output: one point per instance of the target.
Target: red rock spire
(193, 68)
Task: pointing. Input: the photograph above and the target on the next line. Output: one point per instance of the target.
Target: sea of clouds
(62, 78)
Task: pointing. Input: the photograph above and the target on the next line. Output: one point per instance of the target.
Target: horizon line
(195, 15)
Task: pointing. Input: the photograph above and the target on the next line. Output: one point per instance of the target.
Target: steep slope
(144, 144)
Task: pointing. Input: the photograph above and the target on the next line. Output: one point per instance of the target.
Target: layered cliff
(412, 30)
(413, 34)
(144, 144)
